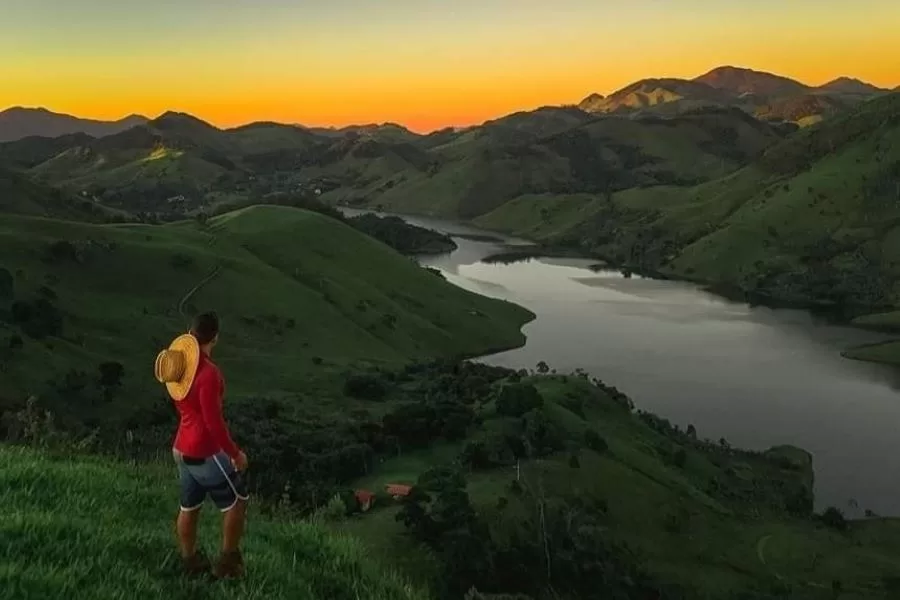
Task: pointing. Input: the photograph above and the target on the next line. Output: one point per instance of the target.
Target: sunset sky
(424, 63)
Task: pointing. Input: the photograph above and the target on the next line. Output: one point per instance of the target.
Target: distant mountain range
(756, 92)
(762, 94)
(18, 122)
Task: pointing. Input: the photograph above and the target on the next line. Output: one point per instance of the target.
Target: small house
(365, 499)
(397, 490)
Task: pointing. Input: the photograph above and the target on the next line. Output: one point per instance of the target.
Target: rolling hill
(738, 81)
(18, 122)
(813, 219)
(566, 151)
(759, 93)
(649, 93)
(88, 294)
(850, 85)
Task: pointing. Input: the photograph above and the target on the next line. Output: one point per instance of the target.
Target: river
(756, 376)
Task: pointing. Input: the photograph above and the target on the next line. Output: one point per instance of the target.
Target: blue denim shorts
(214, 476)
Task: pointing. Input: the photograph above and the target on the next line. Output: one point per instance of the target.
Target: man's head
(206, 329)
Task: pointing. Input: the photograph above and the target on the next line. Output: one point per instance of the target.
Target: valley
(554, 422)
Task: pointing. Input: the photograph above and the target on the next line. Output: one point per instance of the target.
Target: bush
(7, 285)
(517, 399)
(38, 319)
(61, 251)
(595, 441)
(834, 518)
(15, 342)
(365, 386)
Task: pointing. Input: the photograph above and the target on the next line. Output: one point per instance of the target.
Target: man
(209, 462)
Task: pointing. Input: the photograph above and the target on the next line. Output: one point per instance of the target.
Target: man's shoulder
(208, 371)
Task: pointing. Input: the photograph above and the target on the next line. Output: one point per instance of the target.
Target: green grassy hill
(20, 195)
(95, 528)
(302, 297)
(552, 151)
(814, 219)
(695, 518)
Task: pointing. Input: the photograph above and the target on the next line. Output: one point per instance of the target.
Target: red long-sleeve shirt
(202, 431)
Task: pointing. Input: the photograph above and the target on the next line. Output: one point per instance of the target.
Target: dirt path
(196, 288)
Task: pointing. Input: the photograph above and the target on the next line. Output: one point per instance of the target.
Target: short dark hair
(205, 327)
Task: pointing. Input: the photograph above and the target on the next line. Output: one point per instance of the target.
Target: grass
(90, 528)
(302, 298)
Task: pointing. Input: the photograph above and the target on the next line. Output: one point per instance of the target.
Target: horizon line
(46, 108)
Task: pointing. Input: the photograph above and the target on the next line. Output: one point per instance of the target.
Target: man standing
(209, 462)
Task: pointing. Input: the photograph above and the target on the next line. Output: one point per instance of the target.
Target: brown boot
(196, 565)
(230, 565)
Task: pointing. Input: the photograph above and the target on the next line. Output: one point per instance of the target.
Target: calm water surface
(756, 376)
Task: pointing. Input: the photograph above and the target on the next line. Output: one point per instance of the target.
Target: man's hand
(240, 463)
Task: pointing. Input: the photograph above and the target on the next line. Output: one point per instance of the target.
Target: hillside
(738, 80)
(813, 219)
(564, 151)
(563, 486)
(113, 540)
(84, 295)
(17, 123)
(653, 92)
(758, 93)
(803, 109)
(850, 85)
(20, 195)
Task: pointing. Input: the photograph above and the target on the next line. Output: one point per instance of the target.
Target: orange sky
(423, 63)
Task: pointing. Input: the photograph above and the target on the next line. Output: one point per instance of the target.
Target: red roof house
(365, 499)
(398, 490)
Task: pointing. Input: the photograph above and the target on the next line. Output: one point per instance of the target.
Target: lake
(757, 376)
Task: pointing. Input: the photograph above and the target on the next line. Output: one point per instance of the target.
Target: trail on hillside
(186, 298)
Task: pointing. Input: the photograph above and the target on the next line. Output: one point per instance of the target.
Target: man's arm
(211, 407)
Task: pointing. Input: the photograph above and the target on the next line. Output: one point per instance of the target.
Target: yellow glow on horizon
(429, 74)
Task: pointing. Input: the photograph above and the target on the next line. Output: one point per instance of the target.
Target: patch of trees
(561, 544)
(402, 236)
(38, 318)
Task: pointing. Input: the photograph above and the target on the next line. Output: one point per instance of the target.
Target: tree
(692, 432)
(595, 442)
(111, 374)
(543, 368)
(7, 285)
(834, 518)
(517, 399)
(16, 342)
(365, 386)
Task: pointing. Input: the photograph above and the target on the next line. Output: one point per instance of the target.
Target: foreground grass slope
(720, 522)
(302, 298)
(90, 528)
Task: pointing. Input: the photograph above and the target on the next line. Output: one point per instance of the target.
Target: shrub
(595, 442)
(517, 399)
(7, 285)
(15, 342)
(834, 518)
(365, 386)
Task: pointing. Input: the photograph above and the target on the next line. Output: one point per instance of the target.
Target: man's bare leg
(233, 526)
(186, 529)
(231, 563)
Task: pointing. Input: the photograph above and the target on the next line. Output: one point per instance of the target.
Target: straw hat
(177, 365)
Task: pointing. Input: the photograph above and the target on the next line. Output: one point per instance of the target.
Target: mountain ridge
(20, 122)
